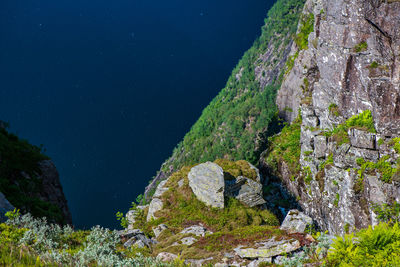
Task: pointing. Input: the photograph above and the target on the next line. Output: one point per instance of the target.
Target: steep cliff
(342, 96)
(29, 180)
(235, 123)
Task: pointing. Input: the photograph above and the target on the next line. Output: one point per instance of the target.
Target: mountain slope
(235, 123)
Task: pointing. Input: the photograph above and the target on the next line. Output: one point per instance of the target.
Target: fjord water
(110, 87)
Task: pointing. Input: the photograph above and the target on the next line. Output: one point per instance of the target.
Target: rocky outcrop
(351, 65)
(4, 207)
(296, 222)
(52, 190)
(207, 182)
(247, 191)
(268, 249)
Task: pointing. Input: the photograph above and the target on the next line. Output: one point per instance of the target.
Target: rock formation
(350, 67)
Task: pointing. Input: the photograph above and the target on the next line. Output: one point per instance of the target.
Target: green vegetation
(383, 167)
(361, 47)
(337, 198)
(374, 65)
(307, 174)
(234, 169)
(334, 110)
(363, 121)
(375, 246)
(286, 147)
(18, 157)
(307, 27)
(236, 122)
(290, 62)
(388, 213)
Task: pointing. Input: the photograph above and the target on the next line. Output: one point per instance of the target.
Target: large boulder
(4, 207)
(207, 182)
(296, 222)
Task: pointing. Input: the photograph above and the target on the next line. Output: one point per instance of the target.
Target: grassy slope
(235, 123)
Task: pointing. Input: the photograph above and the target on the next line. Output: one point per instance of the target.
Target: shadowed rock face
(4, 207)
(351, 64)
(52, 189)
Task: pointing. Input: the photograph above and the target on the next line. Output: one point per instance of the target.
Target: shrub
(378, 246)
(361, 47)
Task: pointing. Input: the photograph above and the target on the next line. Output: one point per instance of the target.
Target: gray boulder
(267, 249)
(135, 237)
(246, 190)
(155, 205)
(362, 139)
(196, 230)
(207, 182)
(296, 222)
(4, 207)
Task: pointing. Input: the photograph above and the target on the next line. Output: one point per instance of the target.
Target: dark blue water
(110, 87)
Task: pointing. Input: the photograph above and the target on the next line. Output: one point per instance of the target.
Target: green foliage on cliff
(285, 147)
(236, 121)
(19, 159)
(374, 246)
(307, 27)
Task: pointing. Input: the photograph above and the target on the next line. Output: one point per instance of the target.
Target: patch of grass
(233, 169)
(307, 27)
(337, 198)
(360, 47)
(334, 110)
(286, 147)
(383, 166)
(307, 175)
(374, 65)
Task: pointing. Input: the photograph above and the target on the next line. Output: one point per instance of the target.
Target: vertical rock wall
(351, 65)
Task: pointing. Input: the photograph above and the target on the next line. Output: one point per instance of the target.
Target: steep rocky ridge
(235, 123)
(30, 181)
(345, 84)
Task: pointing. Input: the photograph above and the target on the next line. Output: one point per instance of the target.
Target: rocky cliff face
(351, 66)
(30, 181)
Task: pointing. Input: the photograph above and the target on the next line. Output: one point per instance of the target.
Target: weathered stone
(268, 249)
(362, 139)
(296, 222)
(4, 207)
(166, 256)
(246, 190)
(160, 189)
(159, 229)
(256, 263)
(198, 263)
(180, 183)
(188, 240)
(207, 183)
(320, 146)
(196, 230)
(155, 205)
(135, 237)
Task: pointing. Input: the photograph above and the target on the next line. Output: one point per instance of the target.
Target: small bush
(361, 47)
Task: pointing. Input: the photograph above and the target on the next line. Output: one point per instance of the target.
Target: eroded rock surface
(207, 182)
(296, 222)
(4, 207)
(352, 64)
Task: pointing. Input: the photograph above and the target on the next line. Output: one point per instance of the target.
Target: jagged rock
(296, 222)
(362, 139)
(320, 146)
(207, 183)
(159, 229)
(136, 237)
(188, 240)
(160, 189)
(52, 190)
(156, 204)
(196, 230)
(246, 190)
(166, 256)
(268, 249)
(4, 207)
